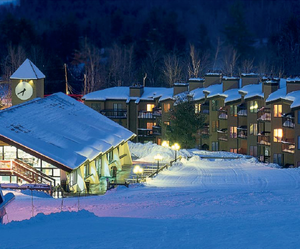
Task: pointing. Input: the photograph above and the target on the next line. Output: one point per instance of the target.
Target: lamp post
(138, 170)
(157, 158)
(175, 147)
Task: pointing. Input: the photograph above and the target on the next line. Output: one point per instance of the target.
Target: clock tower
(27, 83)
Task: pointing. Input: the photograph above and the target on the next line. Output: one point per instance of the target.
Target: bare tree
(15, 57)
(121, 65)
(152, 65)
(247, 66)
(172, 69)
(91, 56)
(230, 60)
(198, 63)
(218, 48)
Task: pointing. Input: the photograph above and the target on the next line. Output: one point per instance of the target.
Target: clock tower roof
(27, 71)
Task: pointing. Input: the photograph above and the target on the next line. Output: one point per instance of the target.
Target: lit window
(253, 106)
(166, 122)
(233, 150)
(233, 131)
(278, 135)
(253, 129)
(150, 126)
(150, 107)
(214, 125)
(167, 107)
(277, 111)
(197, 108)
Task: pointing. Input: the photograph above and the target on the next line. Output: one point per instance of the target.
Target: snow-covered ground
(197, 203)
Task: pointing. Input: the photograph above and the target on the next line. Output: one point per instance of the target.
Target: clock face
(24, 90)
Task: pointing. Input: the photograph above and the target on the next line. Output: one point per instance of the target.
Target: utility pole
(66, 78)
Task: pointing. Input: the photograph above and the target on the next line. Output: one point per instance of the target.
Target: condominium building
(249, 114)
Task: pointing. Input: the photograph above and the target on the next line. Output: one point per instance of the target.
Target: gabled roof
(27, 71)
(212, 91)
(61, 129)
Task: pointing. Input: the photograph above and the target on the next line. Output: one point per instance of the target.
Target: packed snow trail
(197, 203)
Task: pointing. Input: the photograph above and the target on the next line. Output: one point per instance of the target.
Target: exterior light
(165, 144)
(158, 157)
(138, 171)
(175, 147)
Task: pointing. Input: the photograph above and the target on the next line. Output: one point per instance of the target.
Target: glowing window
(278, 135)
(150, 107)
(167, 107)
(253, 106)
(277, 111)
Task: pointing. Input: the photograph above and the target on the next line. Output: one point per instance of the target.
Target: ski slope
(197, 203)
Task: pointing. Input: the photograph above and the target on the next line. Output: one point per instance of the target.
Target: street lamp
(158, 157)
(165, 144)
(175, 147)
(138, 170)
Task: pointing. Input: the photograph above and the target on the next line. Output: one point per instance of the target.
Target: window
(166, 122)
(109, 156)
(150, 126)
(233, 132)
(253, 106)
(253, 151)
(197, 108)
(73, 177)
(277, 135)
(298, 117)
(233, 150)
(277, 111)
(167, 107)
(215, 146)
(253, 129)
(86, 170)
(117, 108)
(277, 158)
(233, 110)
(214, 105)
(214, 125)
(96, 106)
(98, 165)
(150, 107)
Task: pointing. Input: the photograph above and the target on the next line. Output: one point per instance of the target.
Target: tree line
(106, 43)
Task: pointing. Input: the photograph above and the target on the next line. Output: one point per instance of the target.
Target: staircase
(25, 172)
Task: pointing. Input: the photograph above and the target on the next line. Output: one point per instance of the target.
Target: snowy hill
(197, 203)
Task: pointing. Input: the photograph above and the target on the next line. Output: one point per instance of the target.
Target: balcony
(222, 113)
(156, 130)
(114, 113)
(205, 108)
(264, 115)
(288, 145)
(288, 120)
(204, 132)
(157, 111)
(264, 138)
(242, 110)
(145, 114)
(143, 132)
(242, 132)
(222, 135)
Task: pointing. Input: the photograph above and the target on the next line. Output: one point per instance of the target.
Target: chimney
(292, 85)
(230, 83)
(136, 90)
(180, 88)
(195, 83)
(250, 78)
(212, 79)
(269, 86)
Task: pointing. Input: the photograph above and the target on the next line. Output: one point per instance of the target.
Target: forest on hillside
(104, 43)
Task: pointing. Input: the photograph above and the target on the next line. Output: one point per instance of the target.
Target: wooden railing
(26, 172)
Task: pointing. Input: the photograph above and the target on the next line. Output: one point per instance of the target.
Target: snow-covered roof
(27, 71)
(196, 79)
(252, 90)
(232, 95)
(212, 91)
(62, 129)
(123, 93)
(280, 94)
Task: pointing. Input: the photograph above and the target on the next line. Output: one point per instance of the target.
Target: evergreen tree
(184, 124)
